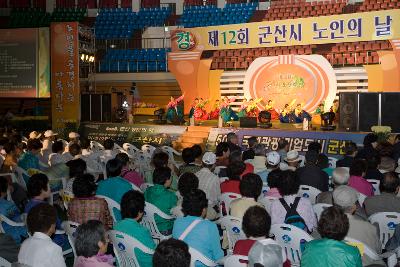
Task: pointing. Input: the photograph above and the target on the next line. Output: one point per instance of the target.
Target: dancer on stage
(320, 109)
(270, 108)
(214, 114)
(243, 108)
(174, 110)
(226, 112)
(301, 114)
(287, 114)
(194, 105)
(252, 108)
(199, 111)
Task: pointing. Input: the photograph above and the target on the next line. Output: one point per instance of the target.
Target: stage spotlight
(159, 113)
(264, 117)
(327, 119)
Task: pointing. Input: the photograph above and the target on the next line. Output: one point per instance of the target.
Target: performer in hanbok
(175, 111)
(199, 112)
(287, 114)
(194, 105)
(243, 108)
(320, 109)
(214, 114)
(226, 111)
(301, 114)
(270, 108)
(252, 108)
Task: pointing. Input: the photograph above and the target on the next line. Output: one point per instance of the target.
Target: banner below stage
(332, 142)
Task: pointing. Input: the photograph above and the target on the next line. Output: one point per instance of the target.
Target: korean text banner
(65, 93)
(367, 26)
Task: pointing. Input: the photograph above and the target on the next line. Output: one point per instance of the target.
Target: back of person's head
(113, 168)
(350, 148)
(315, 146)
(36, 184)
(369, 139)
(197, 151)
(256, 222)
(9, 147)
(265, 254)
(187, 182)
(74, 149)
(85, 143)
(390, 183)
(34, 144)
(235, 156)
(373, 161)
(340, 176)
(188, 155)
(358, 167)
(123, 158)
(235, 170)
(41, 218)
(259, 150)
(221, 148)
(323, 161)
(161, 175)
(194, 203)
(3, 184)
(251, 185)
(282, 144)
(108, 144)
(76, 167)
(333, 224)
(232, 138)
(88, 236)
(273, 178)
(252, 141)
(387, 164)
(311, 157)
(57, 147)
(385, 149)
(160, 159)
(288, 183)
(132, 204)
(345, 197)
(171, 253)
(84, 186)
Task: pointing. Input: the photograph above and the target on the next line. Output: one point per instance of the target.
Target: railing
(124, 66)
(171, 5)
(133, 43)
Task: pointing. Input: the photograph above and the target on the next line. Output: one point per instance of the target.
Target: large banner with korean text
(355, 27)
(65, 93)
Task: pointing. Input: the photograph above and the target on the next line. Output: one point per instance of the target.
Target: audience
(128, 174)
(132, 210)
(56, 157)
(272, 163)
(292, 161)
(273, 183)
(236, 156)
(8, 248)
(30, 160)
(189, 158)
(203, 234)
(346, 198)
(77, 167)
(387, 201)
(222, 152)
(288, 187)
(85, 206)
(283, 148)
(373, 163)
(324, 165)
(198, 154)
(47, 144)
(162, 198)
(187, 182)
(234, 172)
(357, 181)
(74, 138)
(331, 251)
(249, 153)
(259, 161)
(108, 152)
(38, 250)
(369, 149)
(387, 165)
(233, 142)
(250, 188)
(172, 253)
(350, 151)
(311, 174)
(315, 146)
(91, 245)
(340, 176)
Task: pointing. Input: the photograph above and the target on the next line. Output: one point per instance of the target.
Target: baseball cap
(273, 158)
(345, 196)
(209, 158)
(266, 252)
(49, 133)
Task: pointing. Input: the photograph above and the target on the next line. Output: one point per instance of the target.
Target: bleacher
(68, 14)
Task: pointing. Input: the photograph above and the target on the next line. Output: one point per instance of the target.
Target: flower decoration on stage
(383, 132)
(184, 40)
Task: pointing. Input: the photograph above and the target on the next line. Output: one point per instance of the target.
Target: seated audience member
(235, 170)
(198, 154)
(373, 162)
(394, 242)
(91, 245)
(315, 146)
(273, 181)
(236, 156)
(340, 176)
(288, 187)
(292, 161)
(187, 182)
(331, 251)
(77, 167)
(189, 158)
(161, 159)
(11, 158)
(208, 181)
(30, 160)
(204, 235)
(132, 209)
(10, 211)
(250, 188)
(130, 175)
(49, 138)
(73, 137)
(283, 148)
(108, 152)
(267, 253)
(259, 161)
(323, 164)
(162, 198)
(222, 152)
(85, 206)
(172, 253)
(311, 174)
(357, 180)
(387, 165)
(350, 150)
(387, 201)
(114, 186)
(87, 151)
(249, 153)
(56, 157)
(93, 165)
(369, 149)
(272, 163)
(8, 248)
(38, 250)
(346, 198)
(233, 141)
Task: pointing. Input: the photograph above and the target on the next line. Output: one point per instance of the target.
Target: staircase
(195, 135)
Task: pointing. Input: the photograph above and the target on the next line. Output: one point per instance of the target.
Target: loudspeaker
(85, 107)
(95, 107)
(106, 107)
(348, 111)
(368, 113)
(390, 111)
(248, 122)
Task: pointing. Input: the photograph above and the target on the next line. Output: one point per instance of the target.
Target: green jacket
(330, 253)
(163, 199)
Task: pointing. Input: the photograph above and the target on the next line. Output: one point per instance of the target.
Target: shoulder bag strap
(189, 229)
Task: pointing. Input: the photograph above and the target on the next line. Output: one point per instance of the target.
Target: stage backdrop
(308, 80)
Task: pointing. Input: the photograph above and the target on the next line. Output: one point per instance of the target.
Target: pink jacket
(95, 261)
